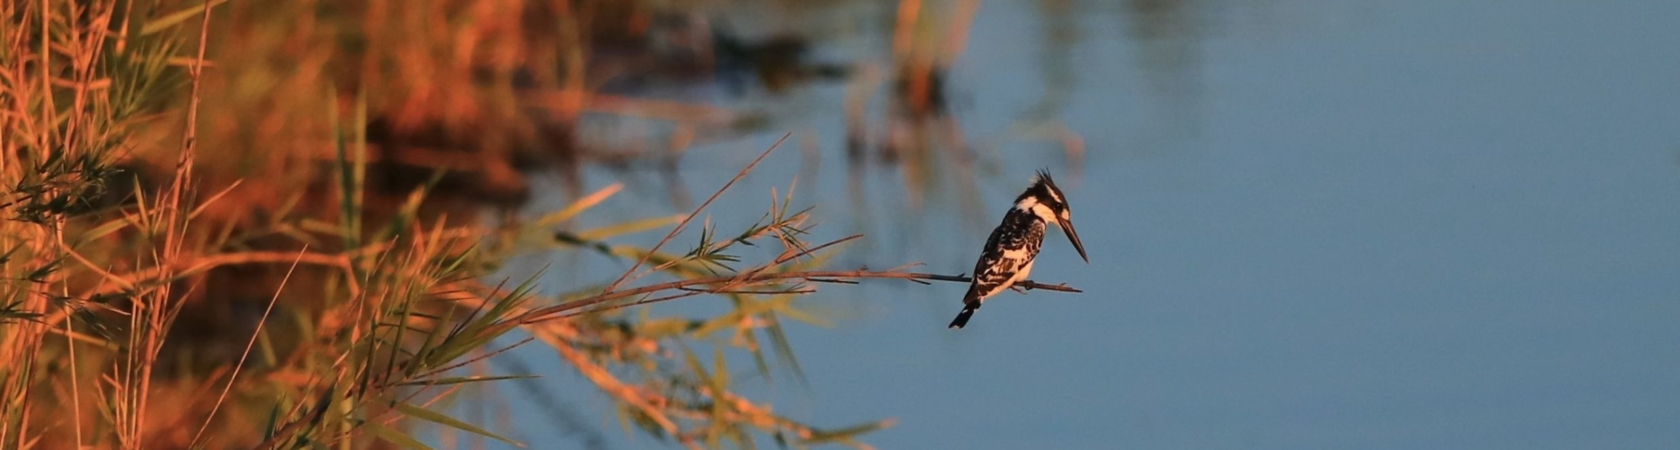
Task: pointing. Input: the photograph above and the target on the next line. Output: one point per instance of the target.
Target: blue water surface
(1312, 224)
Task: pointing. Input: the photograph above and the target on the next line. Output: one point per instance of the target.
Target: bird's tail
(971, 303)
(962, 317)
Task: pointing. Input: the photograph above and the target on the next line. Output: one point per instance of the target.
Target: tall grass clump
(235, 224)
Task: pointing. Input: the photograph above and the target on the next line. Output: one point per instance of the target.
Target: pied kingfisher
(1009, 253)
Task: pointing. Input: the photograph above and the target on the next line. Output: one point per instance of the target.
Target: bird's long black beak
(1067, 227)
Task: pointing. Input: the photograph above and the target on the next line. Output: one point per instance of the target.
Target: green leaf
(720, 322)
(410, 210)
(104, 229)
(695, 366)
(663, 327)
(572, 210)
(720, 373)
(631, 227)
(39, 275)
(395, 437)
(7, 257)
(270, 425)
(467, 379)
(175, 18)
(14, 312)
(783, 348)
(846, 434)
(445, 420)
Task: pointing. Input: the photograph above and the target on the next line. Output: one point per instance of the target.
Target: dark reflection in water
(1059, 21)
(1169, 35)
(909, 158)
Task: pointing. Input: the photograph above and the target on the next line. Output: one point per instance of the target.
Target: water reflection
(1170, 35)
(885, 88)
(766, 67)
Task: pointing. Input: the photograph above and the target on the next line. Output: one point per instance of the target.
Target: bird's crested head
(1043, 192)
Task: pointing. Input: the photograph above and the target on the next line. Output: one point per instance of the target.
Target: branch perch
(735, 282)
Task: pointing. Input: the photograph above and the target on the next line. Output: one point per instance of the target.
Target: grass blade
(445, 420)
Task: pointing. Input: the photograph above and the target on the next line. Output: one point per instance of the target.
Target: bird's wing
(1012, 246)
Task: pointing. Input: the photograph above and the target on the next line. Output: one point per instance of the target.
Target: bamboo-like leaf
(100, 231)
(785, 307)
(783, 348)
(572, 210)
(759, 361)
(720, 373)
(406, 309)
(445, 420)
(395, 437)
(13, 311)
(175, 18)
(466, 379)
(433, 336)
(410, 210)
(847, 433)
(720, 322)
(663, 328)
(273, 421)
(456, 262)
(39, 275)
(480, 329)
(631, 227)
(695, 366)
(7, 257)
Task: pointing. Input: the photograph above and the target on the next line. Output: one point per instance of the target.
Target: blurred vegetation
(234, 224)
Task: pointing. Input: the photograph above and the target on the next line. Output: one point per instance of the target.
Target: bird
(1012, 247)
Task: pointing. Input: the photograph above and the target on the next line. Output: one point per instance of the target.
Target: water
(1312, 224)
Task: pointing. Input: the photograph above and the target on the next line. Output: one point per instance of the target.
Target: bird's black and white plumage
(1013, 246)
